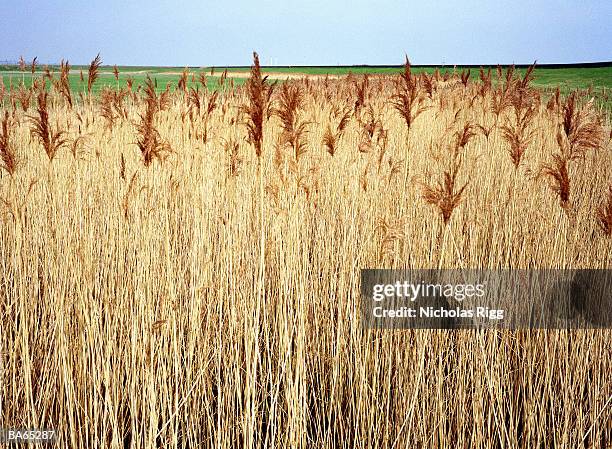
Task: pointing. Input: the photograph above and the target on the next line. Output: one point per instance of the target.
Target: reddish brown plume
(259, 93)
(93, 74)
(444, 194)
(290, 102)
(557, 170)
(7, 152)
(406, 99)
(51, 140)
(63, 84)
(149, 140)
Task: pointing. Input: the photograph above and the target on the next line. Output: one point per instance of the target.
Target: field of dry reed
(181, 268)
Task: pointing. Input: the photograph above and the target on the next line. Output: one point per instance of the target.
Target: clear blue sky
(317, 32)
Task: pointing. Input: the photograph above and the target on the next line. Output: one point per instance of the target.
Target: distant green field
(600, 79)
(567, 78)
(162, 78)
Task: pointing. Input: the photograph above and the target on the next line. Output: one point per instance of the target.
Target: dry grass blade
(122, 167)
(485, 130)
(16, 208)
(48, 73)
(371, 125)
(222, 78)
(395, 167)
(126, 198)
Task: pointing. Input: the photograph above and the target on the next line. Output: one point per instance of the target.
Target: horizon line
(590, 64)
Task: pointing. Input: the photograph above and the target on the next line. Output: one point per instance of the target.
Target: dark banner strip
(486, 299)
